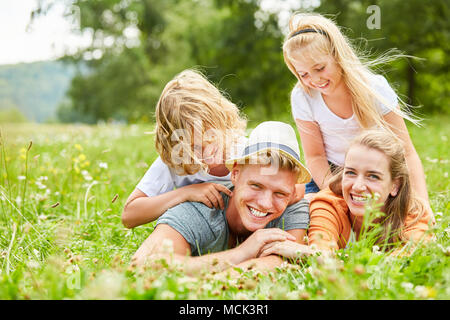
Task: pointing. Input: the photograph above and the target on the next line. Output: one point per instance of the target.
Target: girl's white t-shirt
(337, 133)
(160, 178)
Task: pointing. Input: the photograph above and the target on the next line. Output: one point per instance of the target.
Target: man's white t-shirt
(160, 178)
(337, 133)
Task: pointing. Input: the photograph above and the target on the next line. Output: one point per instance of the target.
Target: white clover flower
(167, 295)
(86, 175)
(21, 177)
(408, 286)
(40, 185)
(185, 280)
(207, 287)
(421, 291)
(241, 296)
(447, 230)
(293, 295)
(103, 165)
(33, 264)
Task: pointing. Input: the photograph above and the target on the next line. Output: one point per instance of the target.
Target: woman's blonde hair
(327, 39)
(396, 208)
(189, 107)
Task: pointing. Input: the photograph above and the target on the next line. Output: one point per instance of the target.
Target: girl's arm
(141, 209)
(314, 151)
(416, 172)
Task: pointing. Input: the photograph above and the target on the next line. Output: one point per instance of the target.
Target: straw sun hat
(273, 135)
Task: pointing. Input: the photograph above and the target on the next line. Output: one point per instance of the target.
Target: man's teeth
(258, 213)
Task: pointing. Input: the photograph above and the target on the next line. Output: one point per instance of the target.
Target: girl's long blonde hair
(190, 106)
(396, 208)
(329, 40)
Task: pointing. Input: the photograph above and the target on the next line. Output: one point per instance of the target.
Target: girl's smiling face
(321, 73)
(366, 174)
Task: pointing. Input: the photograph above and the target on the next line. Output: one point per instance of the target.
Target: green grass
(61, 235)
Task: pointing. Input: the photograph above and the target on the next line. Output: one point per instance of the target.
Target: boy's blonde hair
(188, 107)
(329, 40)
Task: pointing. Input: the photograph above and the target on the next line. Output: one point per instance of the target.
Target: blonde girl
(197, 129)
(375, 168)
(336, 97)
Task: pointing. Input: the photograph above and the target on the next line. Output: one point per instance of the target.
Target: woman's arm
(398, 126)
(314, 151)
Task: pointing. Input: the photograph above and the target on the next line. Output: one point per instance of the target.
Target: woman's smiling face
(366, 174)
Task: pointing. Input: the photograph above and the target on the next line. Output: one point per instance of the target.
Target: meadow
(62, 190)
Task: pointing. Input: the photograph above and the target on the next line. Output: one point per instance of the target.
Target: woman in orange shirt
(374, 168)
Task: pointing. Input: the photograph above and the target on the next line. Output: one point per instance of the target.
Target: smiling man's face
(259, 198)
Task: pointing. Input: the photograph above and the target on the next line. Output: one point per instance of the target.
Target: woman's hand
(287, 248)
(207, 193)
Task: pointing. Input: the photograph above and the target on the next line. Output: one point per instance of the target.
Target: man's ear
(235, 172)
(396, 186)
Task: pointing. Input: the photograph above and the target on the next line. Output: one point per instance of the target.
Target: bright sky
(47, 38)
(50, 36)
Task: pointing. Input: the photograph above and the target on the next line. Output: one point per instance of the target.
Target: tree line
(139, 45)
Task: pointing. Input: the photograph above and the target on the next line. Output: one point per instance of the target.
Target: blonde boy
(197, 128)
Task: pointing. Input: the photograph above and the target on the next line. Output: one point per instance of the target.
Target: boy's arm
(141, 209)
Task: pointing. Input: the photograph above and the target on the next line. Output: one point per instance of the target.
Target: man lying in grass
(375, 171)
(257, 212)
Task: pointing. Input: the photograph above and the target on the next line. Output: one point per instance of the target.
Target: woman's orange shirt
(330, 225)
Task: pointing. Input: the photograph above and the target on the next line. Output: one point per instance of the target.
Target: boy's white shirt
(160, 179)
(337, 133)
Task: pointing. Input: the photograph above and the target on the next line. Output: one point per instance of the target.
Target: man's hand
(288, 249)
(207, 193)
(252, 246)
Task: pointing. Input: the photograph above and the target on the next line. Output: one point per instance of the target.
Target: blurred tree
(11, 115)
(138, 45)
(418, 29)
